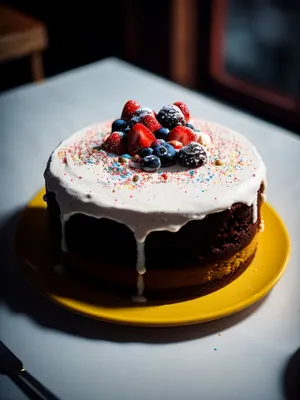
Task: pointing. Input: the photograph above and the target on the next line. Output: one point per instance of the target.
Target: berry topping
(190, 126)
(129, 109)
(150, 122)
(114, 143)
(147, 151)
(150, 163)
(136, 158)
(162, 133)
(143, 111)
(158, 141)
(192, 155)
(119, 125)
(177, 145)
(170, 116)
(140, 114)
(204, 139)
(184, 109)
(139, 137)
(166, 153)
(182, 134)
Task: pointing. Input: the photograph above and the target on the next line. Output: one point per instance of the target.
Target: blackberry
(170, 116)
(192, 155)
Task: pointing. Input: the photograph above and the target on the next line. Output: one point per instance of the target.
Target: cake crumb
(219, 334)
(135, 178)
(218, 162)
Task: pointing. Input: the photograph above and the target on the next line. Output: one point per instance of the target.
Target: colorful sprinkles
(226, 159)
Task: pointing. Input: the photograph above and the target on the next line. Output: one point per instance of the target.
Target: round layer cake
(151, 224)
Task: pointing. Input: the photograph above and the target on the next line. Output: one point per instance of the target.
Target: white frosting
(89, 181)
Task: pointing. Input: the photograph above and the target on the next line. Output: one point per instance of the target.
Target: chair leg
(37, 69)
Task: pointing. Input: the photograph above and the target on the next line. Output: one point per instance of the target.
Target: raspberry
(184, 109)
(115, 143)
(150, 122)
(129, 109)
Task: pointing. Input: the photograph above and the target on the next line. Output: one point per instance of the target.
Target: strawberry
(115, 143)
(184, 109)
(182, 134)
(177, 145)
(129, 109)
(150, 122)
(139, 137)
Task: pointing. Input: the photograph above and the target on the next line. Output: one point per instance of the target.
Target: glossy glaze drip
(141, 270)
(254, 210)
(139, 297)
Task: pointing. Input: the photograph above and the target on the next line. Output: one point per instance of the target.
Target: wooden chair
(22, 36)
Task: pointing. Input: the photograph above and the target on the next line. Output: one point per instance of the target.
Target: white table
(78, 358)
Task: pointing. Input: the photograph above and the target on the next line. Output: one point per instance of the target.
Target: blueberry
(157, 142)
(170, 116)
(147, 151)
(190, 126)
(192, 155)
(150, 163)
(119, 125)
(166, 153)
(162, 133)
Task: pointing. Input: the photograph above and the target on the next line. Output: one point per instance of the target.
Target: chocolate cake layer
(161, 283)
(216, 237)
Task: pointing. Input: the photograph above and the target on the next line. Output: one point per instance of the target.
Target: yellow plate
(38, 266)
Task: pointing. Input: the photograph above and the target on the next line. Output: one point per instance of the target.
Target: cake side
(216, 237)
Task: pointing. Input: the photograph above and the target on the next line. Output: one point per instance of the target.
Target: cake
(156, 205)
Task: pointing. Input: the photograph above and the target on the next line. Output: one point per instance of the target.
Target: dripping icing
(139, 297)
(254, 210)
(140, 263)
(141, 270)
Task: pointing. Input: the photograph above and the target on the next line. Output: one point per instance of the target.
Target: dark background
(260, 46)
